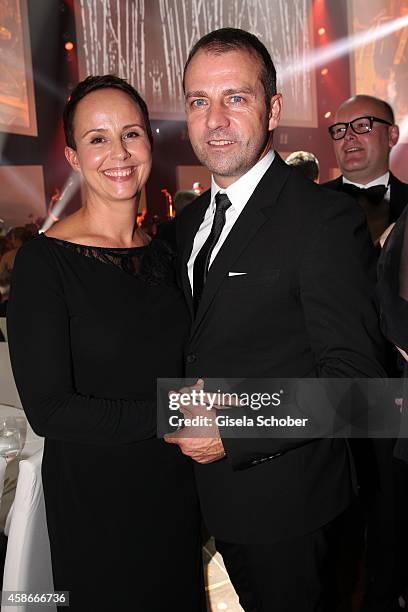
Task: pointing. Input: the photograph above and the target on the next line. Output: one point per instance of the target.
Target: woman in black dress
(94, 318)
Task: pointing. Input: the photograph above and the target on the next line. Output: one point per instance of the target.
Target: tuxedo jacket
(304, 308)
(398, 194)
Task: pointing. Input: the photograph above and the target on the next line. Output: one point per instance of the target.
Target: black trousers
(295, 575)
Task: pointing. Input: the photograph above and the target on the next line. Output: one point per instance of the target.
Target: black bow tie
(374, 194)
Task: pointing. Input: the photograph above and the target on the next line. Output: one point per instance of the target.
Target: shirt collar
(241, 190)
(381, 180)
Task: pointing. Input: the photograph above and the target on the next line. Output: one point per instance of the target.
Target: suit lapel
(251, 219)
(398, 197)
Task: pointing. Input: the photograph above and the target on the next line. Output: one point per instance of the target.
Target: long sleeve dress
(90, 330)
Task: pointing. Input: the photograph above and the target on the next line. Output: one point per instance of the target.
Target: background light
(321, 31)
(324, 71)
(69, 45)
(327, 115)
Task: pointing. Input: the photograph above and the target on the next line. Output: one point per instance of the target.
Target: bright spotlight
(324, 54)
(67, 193)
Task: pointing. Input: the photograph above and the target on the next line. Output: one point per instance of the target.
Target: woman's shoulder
(35, 253)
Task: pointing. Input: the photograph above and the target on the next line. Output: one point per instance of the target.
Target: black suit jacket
(304, 308)
(398, 194)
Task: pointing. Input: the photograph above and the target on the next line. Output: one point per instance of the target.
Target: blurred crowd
(9, 245)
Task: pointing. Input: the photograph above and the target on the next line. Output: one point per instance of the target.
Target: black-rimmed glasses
(361, 125)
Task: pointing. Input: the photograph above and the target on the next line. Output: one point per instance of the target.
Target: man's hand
(202, 443)
(202, 450)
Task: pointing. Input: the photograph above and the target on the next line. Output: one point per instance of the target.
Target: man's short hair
(93, 83)
(306, 162)
(234, 39)
(183, 198)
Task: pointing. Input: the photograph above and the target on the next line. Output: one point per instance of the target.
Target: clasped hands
(208, 448)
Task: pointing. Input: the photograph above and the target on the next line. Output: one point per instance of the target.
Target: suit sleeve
(39, 340)
(337, 289)
(336, 283)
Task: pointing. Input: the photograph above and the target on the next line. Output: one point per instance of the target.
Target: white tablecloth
(32, 443)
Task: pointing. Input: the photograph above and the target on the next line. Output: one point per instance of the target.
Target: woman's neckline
(89, 246)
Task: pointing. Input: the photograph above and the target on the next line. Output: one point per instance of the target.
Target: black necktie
(202, 260)
(374, 194)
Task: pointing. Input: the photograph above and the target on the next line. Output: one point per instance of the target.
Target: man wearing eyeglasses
(363, 136)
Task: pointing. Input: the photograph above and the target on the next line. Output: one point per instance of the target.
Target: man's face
(364, 157)
(228, 121)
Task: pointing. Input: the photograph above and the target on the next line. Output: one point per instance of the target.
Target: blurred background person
(14, 239)
(183, 198)
(306, 162)
(363, 135)
(167, 230)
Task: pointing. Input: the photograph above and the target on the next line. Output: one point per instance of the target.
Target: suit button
(191, 358)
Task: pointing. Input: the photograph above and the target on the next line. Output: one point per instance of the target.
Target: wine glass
(10, 438)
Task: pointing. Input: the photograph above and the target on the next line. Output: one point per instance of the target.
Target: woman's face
(113, 151)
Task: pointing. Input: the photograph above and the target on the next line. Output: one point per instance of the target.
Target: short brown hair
(93, 83)
(233, 39)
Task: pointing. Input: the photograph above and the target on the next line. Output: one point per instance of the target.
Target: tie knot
(222, 202)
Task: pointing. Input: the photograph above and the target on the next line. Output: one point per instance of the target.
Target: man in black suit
(277, 276)
(363, 136)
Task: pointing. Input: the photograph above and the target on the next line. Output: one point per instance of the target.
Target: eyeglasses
(361, 125)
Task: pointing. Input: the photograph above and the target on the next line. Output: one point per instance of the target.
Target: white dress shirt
(381, 180)
(238, 194)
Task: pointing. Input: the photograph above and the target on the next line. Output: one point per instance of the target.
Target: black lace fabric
(154, 262)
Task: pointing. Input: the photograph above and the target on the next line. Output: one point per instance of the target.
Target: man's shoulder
(320, 196)
(397, 183)
(323, 204)
(190, 216)
(335, 184)
(198, 205)
(398, 196)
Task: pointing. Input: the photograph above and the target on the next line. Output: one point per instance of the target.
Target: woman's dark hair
(234, 39)
(93, 83)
